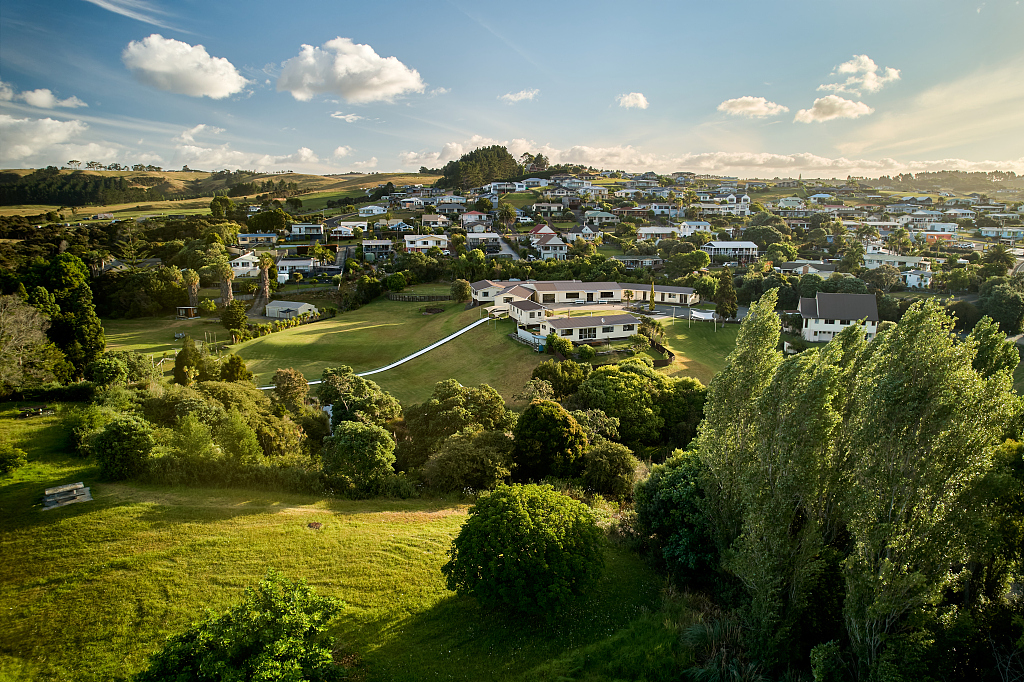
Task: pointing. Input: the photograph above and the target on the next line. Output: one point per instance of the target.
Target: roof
(734, 245)
(517, 290)
(527, 305)
(482, 284)
(840, 307)
(820, 267)
(288, 304)
(575, 286)
(595, 321)
(376, 242)
(672, 290)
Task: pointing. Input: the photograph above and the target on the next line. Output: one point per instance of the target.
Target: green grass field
(91, 589)
(700, 350)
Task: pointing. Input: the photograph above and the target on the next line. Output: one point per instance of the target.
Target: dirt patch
(432, 311)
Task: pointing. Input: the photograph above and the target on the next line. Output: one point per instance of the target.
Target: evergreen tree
(725, 296)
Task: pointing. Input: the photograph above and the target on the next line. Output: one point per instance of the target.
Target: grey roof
(527, 305)
(673, 290)
(595, 321)
(282, 304)
(517, 290)
(484, 284)
(819, 266)
(840, 307)
(575, 286)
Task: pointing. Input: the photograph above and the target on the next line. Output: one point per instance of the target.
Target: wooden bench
(63, 495)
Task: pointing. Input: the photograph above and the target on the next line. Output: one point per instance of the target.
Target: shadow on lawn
(456, 639)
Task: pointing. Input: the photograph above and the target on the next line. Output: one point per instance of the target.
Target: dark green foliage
(356, 399)
(565, 377)
(187, 357)
(548, 442)
(80, 425)
(75, 330)
(234, 316)
(966, 314)
(725, 296)
(49, 186)
(277, 632)
(123, 447)
(995, 352)
(359, 455)
(479, 167)
(461, 291)
(395, 282)
(11, 458)
(526, 550)
(669, 512)
(609, 469)
(586, 353)
(140, 367)
(233, 369)
(1005, 304)
(472, 460)
(630, 391)
(139, 292)
(107, 371)
(556, 344)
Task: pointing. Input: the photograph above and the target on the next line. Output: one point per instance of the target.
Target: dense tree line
(50, 186)
(479, 167)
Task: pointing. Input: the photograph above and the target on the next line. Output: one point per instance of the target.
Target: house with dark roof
(826, 315)
(588, 329)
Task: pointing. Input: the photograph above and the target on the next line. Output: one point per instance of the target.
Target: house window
(572, 295)
(844, 322)
(607, 330)
(628, 327)
(531, 316)
(807, 323)
(606, 294)
(483, 294)
(507, 299)
(588, 333)
(830, 321)
(548, 298)
(566, 332)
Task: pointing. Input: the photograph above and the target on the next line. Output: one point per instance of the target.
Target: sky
(750, 89)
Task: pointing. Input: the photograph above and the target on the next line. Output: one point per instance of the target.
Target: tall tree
(191, 280)
(725, 296)
(266, 262)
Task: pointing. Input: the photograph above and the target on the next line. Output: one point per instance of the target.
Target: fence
(419, 298)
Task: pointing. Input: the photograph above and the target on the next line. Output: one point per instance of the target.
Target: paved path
(407, 358)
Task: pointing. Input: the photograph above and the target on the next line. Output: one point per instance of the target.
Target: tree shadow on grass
(456, 639)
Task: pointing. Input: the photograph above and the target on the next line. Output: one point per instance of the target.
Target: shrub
(609, 469)
(11, 458)
(233, 369)
(207, 306)
(395, 282)
(526, 549)
(123, 447)
(359, 454)
(81, 425)
(586, 353)
(234, 316)
(278, 632)
(548, 442)
(474, 460)
(107, 371)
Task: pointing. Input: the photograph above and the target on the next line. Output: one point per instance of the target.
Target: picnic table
(34, 411)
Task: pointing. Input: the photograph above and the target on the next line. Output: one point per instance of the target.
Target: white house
(370, 211)
(733, 249)
(411, 203)
(451, 209)
(475, 217)
(920, 218)
(826, 315)
(586, 329)
(918, 279)
(584, 232)
(451, 199)
(421, 243)
(257, 238)
(304, 230)
(790, 202)
(874, 260)
(534, 183)
(656, 232)
(526, 312)
(246, 265)
(434, 220)
(286, 266)
(960, 214)
(346, 229)
(600, 218)
(552, 247)
(288, 309)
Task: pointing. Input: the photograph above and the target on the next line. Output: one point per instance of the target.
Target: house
(826, 315)
(289, 309)
(488, 242)
(552, 247)
(790, 202)
(451, 199)
(434, 221)
(874, 260)
(656, 232)
(534, 183)
(588, 329)
(484, 291)
(960, 214)
(395, 225)
(584, 232)
(548, 210)
(475, 217)
(636, 212)
(411, 203)
(637, 184)
(688, 227)
(450, 209)
(634, 262)
(286, 265)
(378, 248)
(670, 295)
(257, 238)
(919, 218)
(526, 312)
(820, 198)
(347, 229)
(303, 231)
(246, 265)
(541, 230)
(421, 243)
(476, 227)
(370, 211)
(501, 187)
(745, 250)
(514, 294)
(918, 279)
(803, 267)
(629, 193)
(600, 218)
(573, 291)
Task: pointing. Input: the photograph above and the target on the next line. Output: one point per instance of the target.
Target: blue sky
(823, 89)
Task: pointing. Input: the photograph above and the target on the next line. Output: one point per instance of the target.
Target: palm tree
(266, 262)
(227, 274)
(506, 214)
(191, 279)
(999, 255)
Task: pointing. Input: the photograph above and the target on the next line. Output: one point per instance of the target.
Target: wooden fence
(419, 298)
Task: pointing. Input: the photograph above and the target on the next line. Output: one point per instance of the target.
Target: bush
(106, 371)
(526, 549)
(609, 469)
(278, 632)
(11, 458)
(81, 425)
(234, 316)
(471, 460)
(586, 353)
(361, 455)
(123, 447)
(548, 442)
(233, 369)
(207, 306)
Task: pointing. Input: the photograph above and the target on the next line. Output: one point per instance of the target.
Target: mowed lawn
(88, 591)
(700, 350)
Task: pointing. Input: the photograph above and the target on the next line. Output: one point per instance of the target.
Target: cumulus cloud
(864, 75)
(44, 99)
(832, 106)
(140, 10)
(438, 91)
(347, 118)
(513, 97)
(354, 71)
(225, 157)
(633, 100)
(342, 152)
(752, 107)
(369, 163)
(181, 68)
(6, 92)
(189, 135)
(768, 165)
(46, 141)
(449, 152)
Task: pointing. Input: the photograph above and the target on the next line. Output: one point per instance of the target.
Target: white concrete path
(407, 358)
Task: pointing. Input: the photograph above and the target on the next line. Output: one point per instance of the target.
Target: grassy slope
(90, 589)
(700, 350)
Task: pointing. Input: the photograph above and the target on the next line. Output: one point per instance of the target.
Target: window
(607, 330)
(628, 327)
(588, 333)
(572, 295)
(830, 321)
(844, 322)
(566, 332)
(807, 323)
(606, 294)
(483, 294)
(549, 298)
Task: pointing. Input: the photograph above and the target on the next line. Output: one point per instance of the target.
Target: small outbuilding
(288, 309)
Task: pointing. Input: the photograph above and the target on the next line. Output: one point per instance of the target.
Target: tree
(565, 377)
(506, 214)
(548, 442)
(22, 341)
(290, 388)
(185, 360)
(11, 458)
(278, 631)
(558, 344)
(354, 398)
(107, 371)
(994, 352)
(238, 441)
(527, 550)
(884, 277)
(639, 343)
(266, 263)
(395, 282)
(999, 255)
(123, 447)
(763, 235)
(233, 369)
(725, 296)
(360, 455)
(629, 392)
(227, 275)
(470, 460)
(609, 469)
(234, 316)
(682, 264)
(191, 279)
(461, 291)
(1004, 304)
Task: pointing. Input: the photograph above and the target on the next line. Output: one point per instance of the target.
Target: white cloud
(832, 106)
(140, 10)
(864, 75)
(347, 118)
(767, 165)
(341, 67)
(633, 100)
(44, 99)
(26, 137)
(6, 92)
(514, 97)
(342, 152)
(181, 68)
(227, 158)
(438, 91)
(369, 163)
(189, 135)
(752, 107)
(449, 152)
